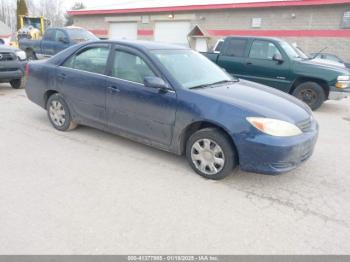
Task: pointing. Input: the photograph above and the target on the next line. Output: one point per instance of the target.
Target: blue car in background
(177, 100)
(54, 41)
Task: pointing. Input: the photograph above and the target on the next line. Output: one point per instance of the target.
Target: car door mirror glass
(154, 82)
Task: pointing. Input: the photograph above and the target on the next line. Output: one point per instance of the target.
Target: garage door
(127, 31)
(172, 32)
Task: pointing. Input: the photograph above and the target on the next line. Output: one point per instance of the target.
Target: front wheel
(59, 114)
(17, 83)
(310, 93)
(210, 154)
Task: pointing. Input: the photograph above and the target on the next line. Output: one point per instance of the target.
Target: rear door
(143, 112)
(263, 69)
(233, 56)
(82, 81)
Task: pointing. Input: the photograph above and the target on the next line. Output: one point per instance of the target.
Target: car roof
(145, 45)
(255, 37)
(66, 28)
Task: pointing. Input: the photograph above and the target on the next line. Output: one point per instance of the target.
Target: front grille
(8, 69)
(7, 57)
(305, 125)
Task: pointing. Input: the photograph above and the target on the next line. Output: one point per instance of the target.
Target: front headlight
(274, 127)
(343, 82)
(21, 55)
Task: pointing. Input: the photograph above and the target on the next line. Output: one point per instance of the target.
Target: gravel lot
(89, 192)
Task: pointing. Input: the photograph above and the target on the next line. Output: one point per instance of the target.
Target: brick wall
(277, 18)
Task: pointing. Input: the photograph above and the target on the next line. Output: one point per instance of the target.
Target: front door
(140, 111)
(82, 81)
(263, 69)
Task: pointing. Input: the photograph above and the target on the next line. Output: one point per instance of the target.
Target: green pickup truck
(276, 63)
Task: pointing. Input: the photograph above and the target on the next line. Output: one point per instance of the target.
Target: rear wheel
(17, 83)
(59, 114)
(211, 154)
(310, 93)
(31, 55)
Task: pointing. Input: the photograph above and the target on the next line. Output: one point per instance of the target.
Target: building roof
(151, 6)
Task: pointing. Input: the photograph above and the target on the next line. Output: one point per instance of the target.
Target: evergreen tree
(22, 9)
(76, 6)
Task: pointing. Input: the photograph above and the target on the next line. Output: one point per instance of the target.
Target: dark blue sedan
(175, 99)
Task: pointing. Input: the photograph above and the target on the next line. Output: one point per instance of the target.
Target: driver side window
(263, 50)
(60, 35)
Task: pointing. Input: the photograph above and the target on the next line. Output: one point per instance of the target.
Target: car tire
(59, 113)
(211, 154)
(310, 93)
(31, 55)
(18, 83)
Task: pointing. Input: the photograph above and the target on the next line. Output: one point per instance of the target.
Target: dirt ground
(89, 192)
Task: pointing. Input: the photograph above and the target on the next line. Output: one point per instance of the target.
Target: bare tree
(8, 13)
(51, 9)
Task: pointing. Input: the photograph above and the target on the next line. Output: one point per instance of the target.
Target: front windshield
(292, 52)
(190, 68)
(80, 35)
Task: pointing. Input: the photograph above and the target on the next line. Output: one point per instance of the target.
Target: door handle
(249, 63)
(114, 89)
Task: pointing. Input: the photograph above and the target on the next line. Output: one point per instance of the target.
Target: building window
(256, 22)
(346, 20)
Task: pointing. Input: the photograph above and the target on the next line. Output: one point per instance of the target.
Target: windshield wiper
(224, 82)
(317, 54)
(215, 83)
(197, 87)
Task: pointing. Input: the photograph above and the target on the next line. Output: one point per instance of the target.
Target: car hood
(257, 100)
(328, 62)
(323, 65)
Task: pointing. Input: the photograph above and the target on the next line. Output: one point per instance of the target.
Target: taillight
(26, 70)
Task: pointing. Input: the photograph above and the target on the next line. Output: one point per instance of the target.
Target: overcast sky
(100, 3)
(106, 3)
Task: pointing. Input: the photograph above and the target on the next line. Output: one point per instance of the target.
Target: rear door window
(130, 67)
(235, 47)
(92, 59)
(219, 46)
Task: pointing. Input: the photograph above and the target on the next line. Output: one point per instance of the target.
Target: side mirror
(155, 82)
(63, 40)
(278, 58)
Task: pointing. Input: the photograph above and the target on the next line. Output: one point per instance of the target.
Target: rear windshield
(81, 35)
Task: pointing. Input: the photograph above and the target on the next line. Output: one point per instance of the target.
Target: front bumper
(337, 93)
(274, 155)
(11, 70)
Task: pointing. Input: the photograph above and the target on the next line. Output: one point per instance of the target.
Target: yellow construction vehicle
(32, 27)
